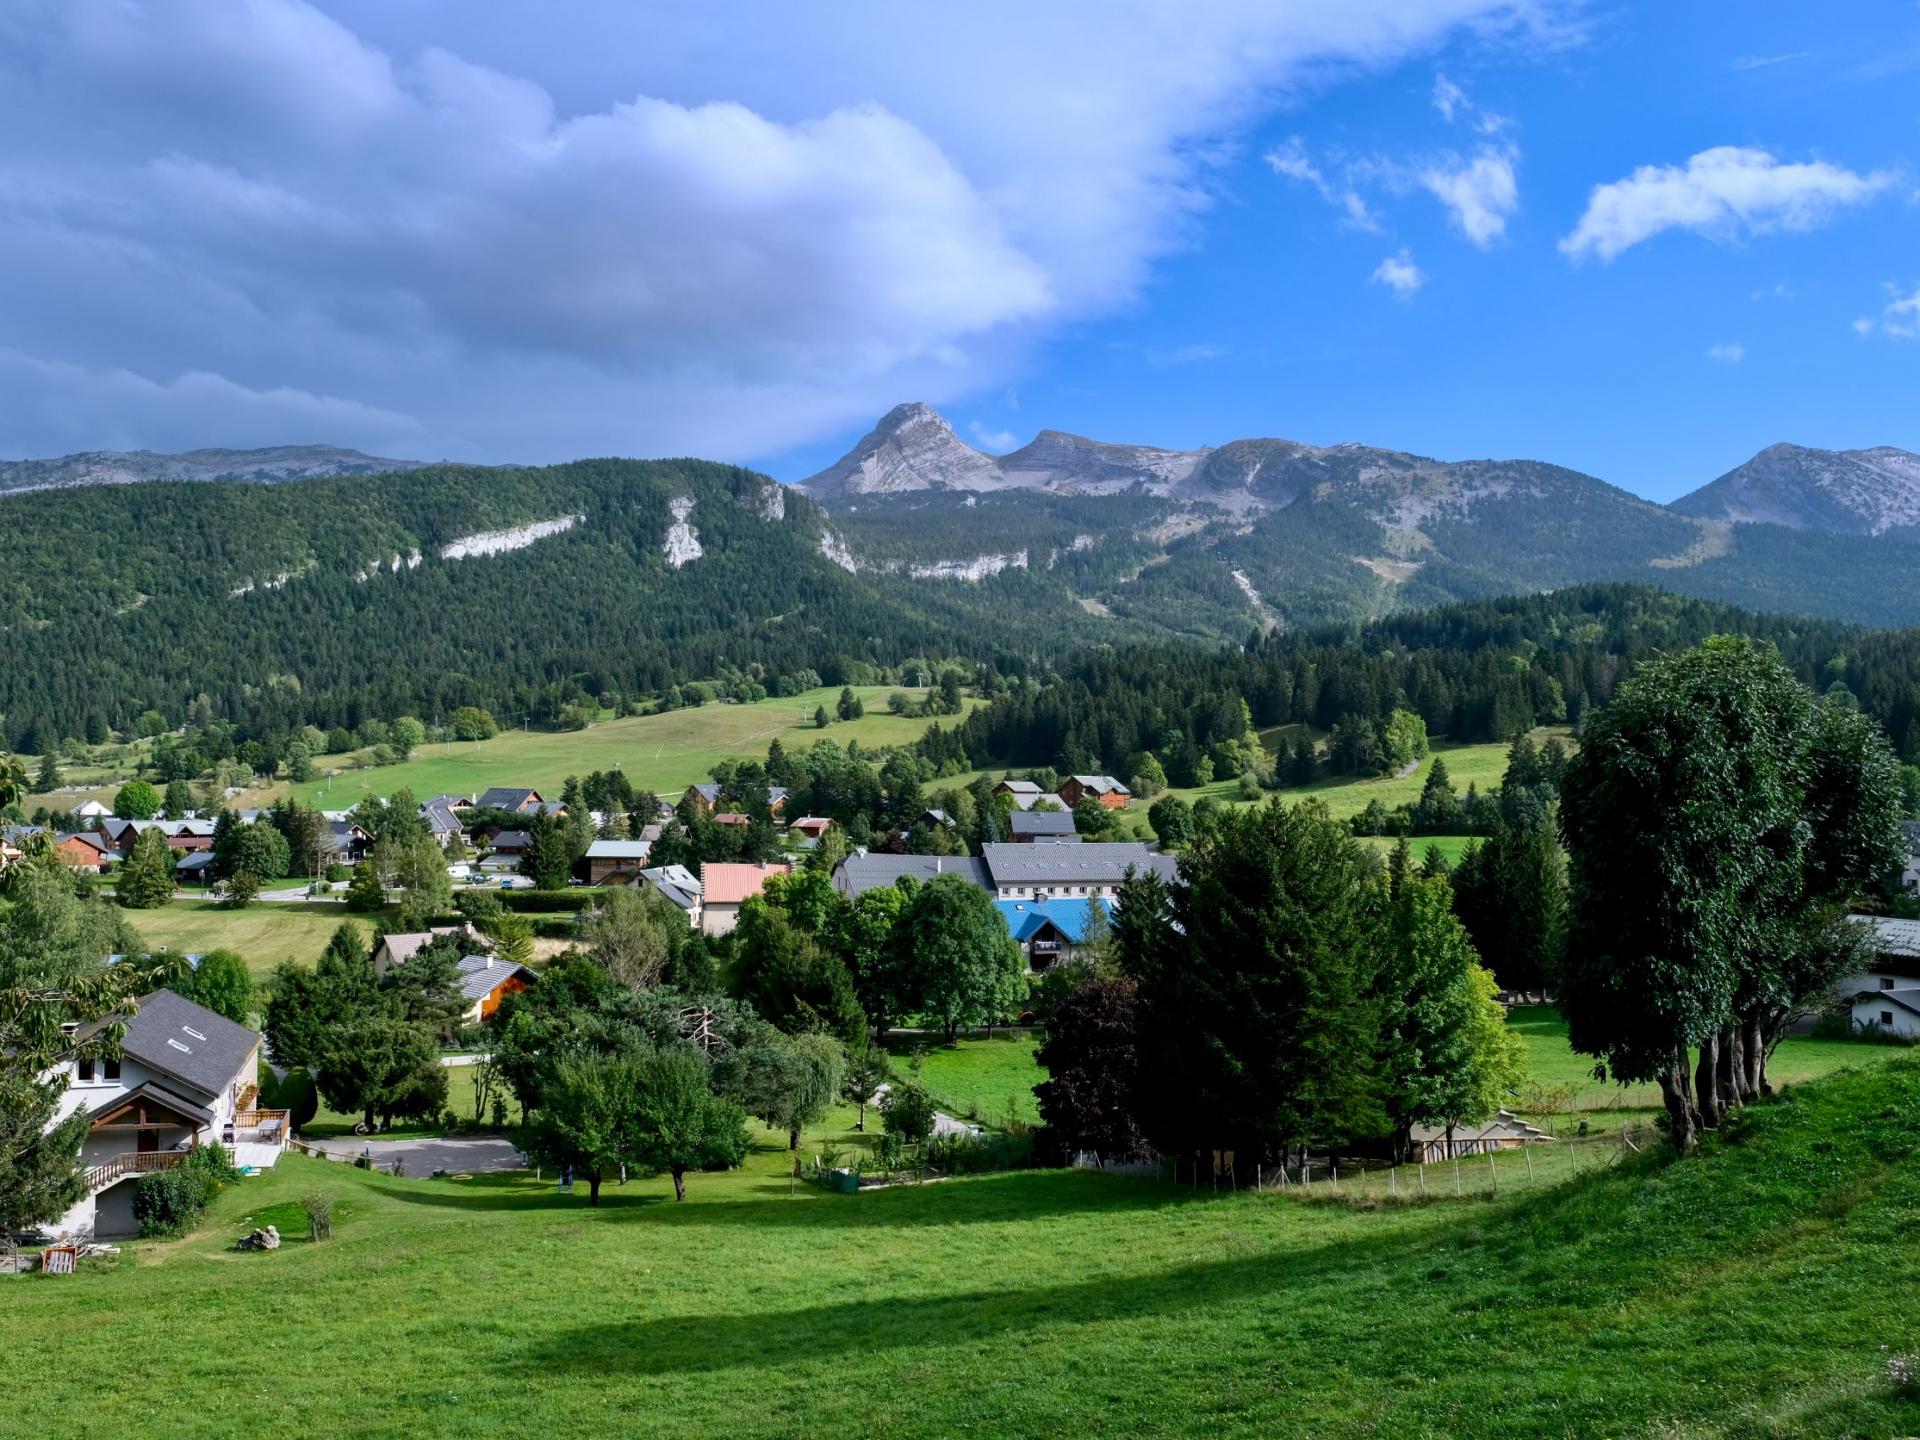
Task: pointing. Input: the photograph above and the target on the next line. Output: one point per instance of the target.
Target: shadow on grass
(717, 1200)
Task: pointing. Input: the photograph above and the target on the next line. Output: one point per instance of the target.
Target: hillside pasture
(1755, 1290)
(663, 753)
(264, 934)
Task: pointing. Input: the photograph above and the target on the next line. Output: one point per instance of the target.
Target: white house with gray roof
(185, 1076)
(1887, 997)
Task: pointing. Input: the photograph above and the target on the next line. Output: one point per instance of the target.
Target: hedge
(570, 901)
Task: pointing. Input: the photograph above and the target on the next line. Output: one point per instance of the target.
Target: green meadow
(1757, 1289)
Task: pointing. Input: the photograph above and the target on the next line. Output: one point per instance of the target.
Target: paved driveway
(423, 1157)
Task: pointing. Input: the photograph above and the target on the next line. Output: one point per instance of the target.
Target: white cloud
(613, 229)
(1899, 317)
(1400, 275)
(1761, 62)
(1481, 194)
(1448, 98)
(996, 440)
(1726, 192)
(1727, 352)
(1290, 160)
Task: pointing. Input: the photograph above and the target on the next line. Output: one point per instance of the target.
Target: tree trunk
(679, 1182)
(793, 1138)
(860, 1122)
(1757, 1041)
(593, 1187)
(1678, 1095)
(1733, 1069)
(1707, 1100)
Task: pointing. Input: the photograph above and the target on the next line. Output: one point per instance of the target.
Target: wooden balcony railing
(139, 1162)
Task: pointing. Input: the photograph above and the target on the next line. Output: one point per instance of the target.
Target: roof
(189, 1042)
(1102, 784)
(481, 975)
(731, 817)
(194, 860)
(438, 813)
(1893, 937)
(810, 822)
(652, 831)
(1025, 918)
(731, 884)
(187, 1109)
(1504, 1126)
(506, 797)
(1102, 864)
(512, 840)
(1019, 787)
(619, 849)
(403, 945)
(676, 882)
(707, 791)
(1041, 822)
(87, 837)
(857, 874)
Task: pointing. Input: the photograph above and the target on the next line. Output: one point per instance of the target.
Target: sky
(1640, 240)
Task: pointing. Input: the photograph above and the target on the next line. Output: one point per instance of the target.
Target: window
(1886, 982)
(84, 1069)
(1886, 1018)
(112, 1068)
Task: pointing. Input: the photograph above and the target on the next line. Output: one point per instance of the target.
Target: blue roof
(1069, 917)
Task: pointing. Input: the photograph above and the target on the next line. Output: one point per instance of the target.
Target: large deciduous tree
(970, 968)
(1718, 817)
(1089, 1055)
(681, 1124)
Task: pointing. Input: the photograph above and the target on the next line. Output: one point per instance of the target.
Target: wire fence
(1474, 1173)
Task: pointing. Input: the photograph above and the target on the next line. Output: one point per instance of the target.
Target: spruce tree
(146, 880)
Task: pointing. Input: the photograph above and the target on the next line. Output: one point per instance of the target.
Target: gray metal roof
(1103, 864)
(505, 797)
(191, 1043)
(619, 849)
(857, 874)
(1041, 822)
(1894, 937)
(481, 975)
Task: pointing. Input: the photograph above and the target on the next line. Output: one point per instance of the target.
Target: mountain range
(270, 465)
(1301, 533)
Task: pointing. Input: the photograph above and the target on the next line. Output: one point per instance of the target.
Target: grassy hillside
(664, 753)
(1755, 1290)
(263, 934)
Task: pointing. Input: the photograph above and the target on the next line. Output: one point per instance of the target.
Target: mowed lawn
(263, 934)
(1756, 1290)
(663, 753)
(975, 1078)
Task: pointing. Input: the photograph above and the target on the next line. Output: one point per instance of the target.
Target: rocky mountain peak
(1849, 492)
(912, 448)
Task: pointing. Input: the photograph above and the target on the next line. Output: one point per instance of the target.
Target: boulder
(267, 1239)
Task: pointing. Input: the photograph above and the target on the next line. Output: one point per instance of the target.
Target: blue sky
(1640, 240)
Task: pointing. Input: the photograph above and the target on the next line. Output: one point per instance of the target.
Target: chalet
(616, 862)
(86, 853)
(679, 885)
(1041, 827)
(1023, 792)
(1431, 1143)
(442, 823)
(936, 820)
(1887, 997)
(185, 1076)
(809, 827)
(706, 795)
(857, 874)
(90, 810)
(511, 842)
(725, 888)
(776, 800)
(1049, 931)
(485, 981)
(344, 842)
(1109, 792)
(1060, 872)
(511, 799)
(194, 869)
(403, 945)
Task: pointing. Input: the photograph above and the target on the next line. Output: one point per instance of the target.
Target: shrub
(298, 1096)
(213, 1161)
(571, 901)
(319, 1207)
(168, 1201)
(907, 1111)
(978, 1154)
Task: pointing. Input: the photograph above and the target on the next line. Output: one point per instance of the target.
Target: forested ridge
(123, 599)
(1473, 672)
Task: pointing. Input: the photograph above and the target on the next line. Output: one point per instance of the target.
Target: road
(420, 1158)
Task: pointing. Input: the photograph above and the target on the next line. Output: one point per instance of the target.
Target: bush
(213, 1161)
(554, 927)
(319, 1208)
(907, 1111)
(298, 1096)
(571, 901)
(978, 1154)
(168, 1201)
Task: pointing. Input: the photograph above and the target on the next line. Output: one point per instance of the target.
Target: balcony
(139, 1162)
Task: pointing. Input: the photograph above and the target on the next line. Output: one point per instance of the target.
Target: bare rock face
(683, 541)
(1056, 460)
(912, 448)
(1849, 492)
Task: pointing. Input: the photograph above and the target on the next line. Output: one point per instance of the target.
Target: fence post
(1527, 1150)
(1493, 1171)
(1393, 1179)
(1456, 1172)
(1421, 1171)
